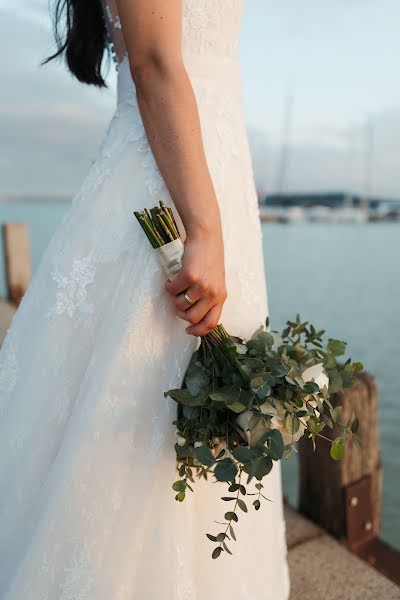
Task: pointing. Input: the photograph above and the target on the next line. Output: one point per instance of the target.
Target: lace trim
(211, 26)
(136, 134)
(78, 575)
(72, 295)
(8, 368)
(114, 32)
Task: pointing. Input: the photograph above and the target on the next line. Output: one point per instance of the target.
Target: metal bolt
(354, 501)
(368, 526)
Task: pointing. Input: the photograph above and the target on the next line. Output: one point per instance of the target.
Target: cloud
(334, 158)
(51, 125)
(47, 149)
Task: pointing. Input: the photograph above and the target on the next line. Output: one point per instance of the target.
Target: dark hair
(81, 37)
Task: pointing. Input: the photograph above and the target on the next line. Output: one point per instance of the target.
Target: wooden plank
(382, 557)
(17, 258)
(359, 509)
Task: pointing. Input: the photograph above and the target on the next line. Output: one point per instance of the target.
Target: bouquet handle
(170, 256)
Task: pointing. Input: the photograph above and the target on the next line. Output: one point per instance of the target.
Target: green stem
(236, 503)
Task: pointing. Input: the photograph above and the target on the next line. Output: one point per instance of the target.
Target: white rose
(266, 408)
(198, 444)
(243, 420)
(278, 341)
(318, 374)
(181, 441)
(278, 423)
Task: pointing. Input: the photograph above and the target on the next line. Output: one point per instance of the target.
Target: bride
(86, 436)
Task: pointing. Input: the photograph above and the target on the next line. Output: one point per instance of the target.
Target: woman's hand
(202, 277)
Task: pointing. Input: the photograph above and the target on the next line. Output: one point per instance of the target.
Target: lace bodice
(209, 27)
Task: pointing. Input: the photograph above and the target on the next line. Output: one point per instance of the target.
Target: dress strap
(114, 31)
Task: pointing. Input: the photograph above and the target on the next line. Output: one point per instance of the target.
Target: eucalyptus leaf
(241, 348)
(231, 516)
(292, 424)
(196, 378)
(276, 446)
(236, 407)
(225, 470)
(259, 467)
(185, 398)
(337, 347)
(204, 456)
(216, 552)
(337, 449)
(311, 387)
(225, 547)
(179, 486)
(335, 381)
(226, 394)
(243, 455)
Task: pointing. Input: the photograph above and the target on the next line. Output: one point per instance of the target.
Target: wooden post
(17, 258)
(326, 486)
(7, 311)
(344, 497)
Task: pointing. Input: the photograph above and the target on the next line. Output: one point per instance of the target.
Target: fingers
(181, 282)
(182, 304)
(203, 302)
(208, 323)
(197, 312)
(207, 294)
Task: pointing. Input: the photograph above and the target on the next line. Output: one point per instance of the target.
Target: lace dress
(86, 438)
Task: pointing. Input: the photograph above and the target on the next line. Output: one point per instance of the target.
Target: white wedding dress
(87, 453)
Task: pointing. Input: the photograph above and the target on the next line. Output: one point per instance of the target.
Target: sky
(321, 82)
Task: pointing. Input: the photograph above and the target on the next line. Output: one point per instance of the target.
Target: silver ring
(187, 298)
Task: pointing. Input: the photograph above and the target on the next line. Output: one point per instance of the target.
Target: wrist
(201, 229)
(204, 224)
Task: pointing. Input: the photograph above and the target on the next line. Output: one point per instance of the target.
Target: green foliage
(337, 448)
(204, 456)
(337, 347)
(244, 404)
(225, 470)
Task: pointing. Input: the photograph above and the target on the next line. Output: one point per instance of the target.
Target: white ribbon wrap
(170, 256)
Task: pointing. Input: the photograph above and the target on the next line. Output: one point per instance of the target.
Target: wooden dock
(17, 268)
(323, 569)
(7, 310)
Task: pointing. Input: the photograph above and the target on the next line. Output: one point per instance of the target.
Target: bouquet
(245, 403)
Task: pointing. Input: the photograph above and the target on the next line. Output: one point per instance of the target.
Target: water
(344, 278)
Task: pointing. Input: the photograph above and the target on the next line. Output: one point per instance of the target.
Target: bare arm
(152, 32)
